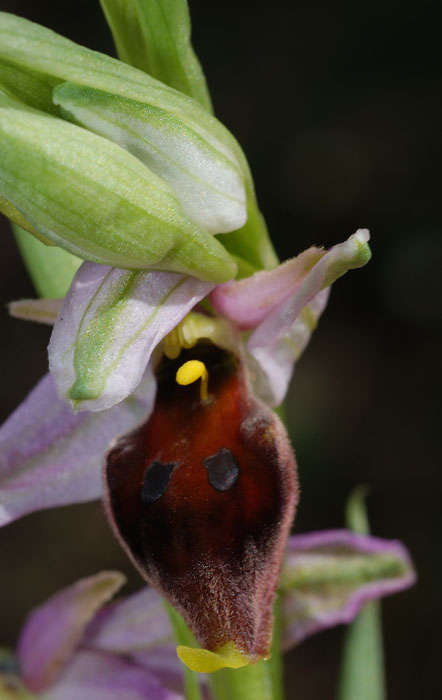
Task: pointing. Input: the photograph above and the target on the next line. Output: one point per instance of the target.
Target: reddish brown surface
(215, 554)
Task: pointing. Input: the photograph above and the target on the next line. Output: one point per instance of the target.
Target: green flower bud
(164, 128)
(97, 201)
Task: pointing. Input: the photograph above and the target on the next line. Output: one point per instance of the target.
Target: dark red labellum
(202, 497)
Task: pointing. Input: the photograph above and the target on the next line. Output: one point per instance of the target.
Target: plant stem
(184, 636)
(263, 681)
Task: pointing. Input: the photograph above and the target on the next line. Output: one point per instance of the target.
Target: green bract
(16, 217)
(171, 133)
(27, 85)
(207, 181)
(96, 200)
(154, 35)
(154, 121)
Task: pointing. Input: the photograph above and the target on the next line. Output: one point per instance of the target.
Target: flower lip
(213, 542)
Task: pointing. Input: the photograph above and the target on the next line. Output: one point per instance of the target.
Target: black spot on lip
(156, 480)
(222, 469)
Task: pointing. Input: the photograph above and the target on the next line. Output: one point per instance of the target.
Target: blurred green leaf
(50, 268)
(362, 671)
(252, 242)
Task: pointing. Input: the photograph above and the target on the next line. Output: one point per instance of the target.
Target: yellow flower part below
(190, 372)
(205, 661)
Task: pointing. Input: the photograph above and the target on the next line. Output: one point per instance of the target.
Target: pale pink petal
(328, 576)
(136, 623)
(50, 456)
(341, 258)
(110, 323)
(94, 675)
(139, 627)
(164, 663)
(53, 631)
(283, 306)
(272, 366)
(248, 301)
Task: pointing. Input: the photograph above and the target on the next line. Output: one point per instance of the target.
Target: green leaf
(362, 671)
(97, 201)
(51, 268)
(154, 35)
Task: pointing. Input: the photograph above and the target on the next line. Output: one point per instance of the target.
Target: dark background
(338, 107)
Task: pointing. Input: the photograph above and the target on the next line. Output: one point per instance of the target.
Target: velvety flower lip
(215, 555)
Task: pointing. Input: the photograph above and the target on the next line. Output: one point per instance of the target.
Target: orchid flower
(117, 338)
(78, 644)
(169, 352)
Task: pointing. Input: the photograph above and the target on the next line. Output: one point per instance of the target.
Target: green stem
(263, 681)
(251, 243)
(247, 682)
(275, 662)
(184, 636)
